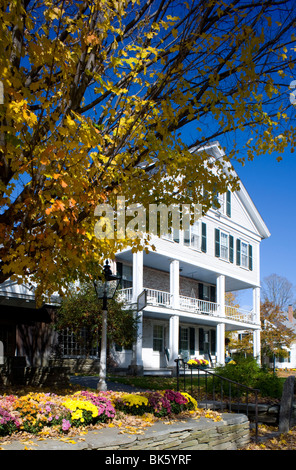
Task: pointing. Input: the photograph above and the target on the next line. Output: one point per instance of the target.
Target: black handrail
(223, 380)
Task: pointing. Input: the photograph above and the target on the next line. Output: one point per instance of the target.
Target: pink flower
(65, 425)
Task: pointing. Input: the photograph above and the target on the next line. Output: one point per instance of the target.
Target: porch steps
(158, 372)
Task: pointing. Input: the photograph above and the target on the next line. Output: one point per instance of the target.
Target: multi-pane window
(192, 236)
(244, 255)
(196, 236)
(77, 344)
(222, 202)
(158, 338)
(126, 274)
(224, 251)
(183, 339)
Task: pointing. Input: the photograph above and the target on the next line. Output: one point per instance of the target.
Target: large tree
(276, 335)
(81, 310)
(96, 94)
(279, 291)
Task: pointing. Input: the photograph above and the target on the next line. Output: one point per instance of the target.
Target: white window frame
(244, 256)
(226, 247)
(158, 337)
(221, 198)
(171, 236)
(197, 229)
(184, 330)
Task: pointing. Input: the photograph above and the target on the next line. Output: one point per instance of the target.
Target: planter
(198, 366)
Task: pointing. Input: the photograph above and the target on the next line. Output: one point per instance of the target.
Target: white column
(256, 333)
(137, 274)
(174, 339)
(220, 287)
(137, 360)
(139, 341)
(175, 283)
(220, 337)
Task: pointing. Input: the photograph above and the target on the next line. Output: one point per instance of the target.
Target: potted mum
(198, 363)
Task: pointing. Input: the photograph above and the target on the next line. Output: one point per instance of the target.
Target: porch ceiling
(162, 263)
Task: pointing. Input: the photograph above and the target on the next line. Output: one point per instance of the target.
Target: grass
(164, 383)
(147, 382)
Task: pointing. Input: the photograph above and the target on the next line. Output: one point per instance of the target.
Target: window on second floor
(223, 245)
(196, 236)
(244, 254)
(126, 274)
(224, 249)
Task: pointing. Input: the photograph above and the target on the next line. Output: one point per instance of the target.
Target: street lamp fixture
(105, 289)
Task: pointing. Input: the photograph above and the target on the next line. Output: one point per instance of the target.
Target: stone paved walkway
(92, 381)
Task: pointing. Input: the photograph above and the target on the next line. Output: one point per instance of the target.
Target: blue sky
(272, 187)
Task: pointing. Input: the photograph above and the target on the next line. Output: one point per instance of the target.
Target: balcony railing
(191, 304)
(158, 297)
(198, 306)
(126, 294)
(240, 314)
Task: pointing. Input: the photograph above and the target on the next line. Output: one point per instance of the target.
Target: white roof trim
(242, 194)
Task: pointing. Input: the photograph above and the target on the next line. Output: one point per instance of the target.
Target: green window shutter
(238, 252)
(250, 258)
(212, 293)
(192, 341)
(200, 291)
(228, 203)
(231, 248)
(213, 341)
(119, 272)
(204, 237)
(201, 339)
(217, 242)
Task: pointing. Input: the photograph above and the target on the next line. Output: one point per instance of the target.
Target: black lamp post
(105, 289)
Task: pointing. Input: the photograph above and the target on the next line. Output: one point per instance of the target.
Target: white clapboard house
(185, 280)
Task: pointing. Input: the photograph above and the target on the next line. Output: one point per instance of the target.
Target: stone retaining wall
(194, 434)
(232, 433)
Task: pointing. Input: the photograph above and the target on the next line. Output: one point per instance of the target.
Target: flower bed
(35, 412)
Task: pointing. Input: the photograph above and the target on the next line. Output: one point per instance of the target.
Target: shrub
(246, 371)
(269, 385)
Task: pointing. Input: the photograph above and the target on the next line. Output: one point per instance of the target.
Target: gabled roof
(215, 150)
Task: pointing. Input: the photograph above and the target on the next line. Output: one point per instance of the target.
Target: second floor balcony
(158, 298)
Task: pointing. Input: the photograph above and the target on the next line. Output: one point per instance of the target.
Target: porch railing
(158, 297)
(198, 306)
(191, 304)
(126, 294)
(240, 314)
(217, 392)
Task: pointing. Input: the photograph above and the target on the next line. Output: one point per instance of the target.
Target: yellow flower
(190, 399)
(134, 400)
